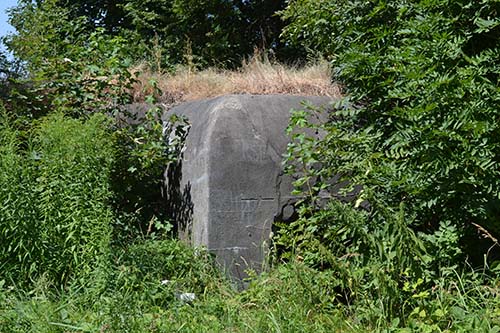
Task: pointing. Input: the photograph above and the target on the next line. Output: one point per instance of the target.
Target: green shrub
(420, 123)
(73, 193)
(149, 262)
(419, 130)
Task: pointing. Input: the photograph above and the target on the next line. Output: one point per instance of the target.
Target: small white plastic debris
(164, 282)
(186, 297)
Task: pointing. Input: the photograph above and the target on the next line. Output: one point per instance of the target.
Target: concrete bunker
(229, 186)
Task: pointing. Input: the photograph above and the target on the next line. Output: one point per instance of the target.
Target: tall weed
(73, 193)
(19, 234)
(55, 214)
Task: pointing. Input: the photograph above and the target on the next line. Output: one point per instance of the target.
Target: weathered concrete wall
(229, 186)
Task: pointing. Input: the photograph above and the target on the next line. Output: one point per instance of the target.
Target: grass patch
(257, 76)
(146, 280)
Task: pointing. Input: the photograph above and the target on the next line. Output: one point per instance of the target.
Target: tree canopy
(214, 32)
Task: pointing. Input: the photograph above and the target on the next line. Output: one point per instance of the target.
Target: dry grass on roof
(256, 76)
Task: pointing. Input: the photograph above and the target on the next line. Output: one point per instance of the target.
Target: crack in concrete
(257, 199)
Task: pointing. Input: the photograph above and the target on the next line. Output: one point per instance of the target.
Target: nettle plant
(420, 125)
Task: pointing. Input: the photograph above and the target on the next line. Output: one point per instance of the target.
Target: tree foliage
(68, 70)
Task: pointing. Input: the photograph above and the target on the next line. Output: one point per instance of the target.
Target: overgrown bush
(142, 294)
(420, 123)
(77, 171)
(419, 130)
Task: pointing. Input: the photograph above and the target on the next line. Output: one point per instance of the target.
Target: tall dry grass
(256, 76)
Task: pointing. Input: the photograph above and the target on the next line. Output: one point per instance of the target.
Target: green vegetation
(87, 245)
